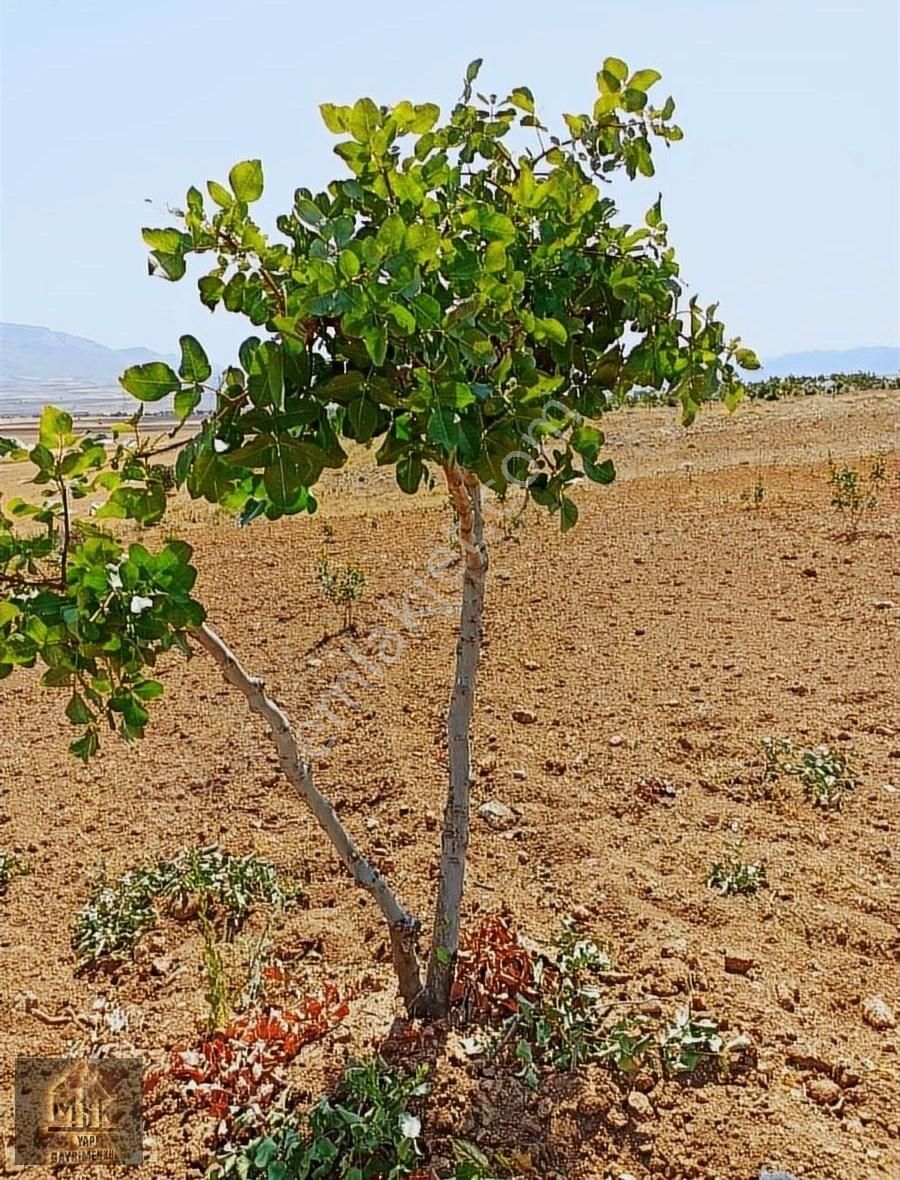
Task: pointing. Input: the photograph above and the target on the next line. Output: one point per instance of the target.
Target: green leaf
(334, 117)
(523, 99)
(495, 256)
(309, 212)
(472, 69)
(220, 194)
(173, 266)
(643, 79)
(85, 746)
(150, 382)
(568, 514)
(616, 67)
(391, 234)
(348, 262)
(365, 119)
(281, 480)
(552, 330)
(77, 711)
(195, 364)
(211, 289)
(604, 472)
(587, 441)
(55, 428)
(427, 114)
(363, 418)
(634, 100)
(8, 612)
(168, 241)
(747, 358)
(443, 429)
(402, 317)
(409, 472)
(375, 339)
(186, 401)
(246, 180)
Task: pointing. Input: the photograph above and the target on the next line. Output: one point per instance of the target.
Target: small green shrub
(628, 1044)
(756, 494)
(855, 494)
(688, 1042)
(10, 866)
(565, 1022)
(364, 1130)
(563, 1026)
(343, 587)
(732, 875)
(118, 914)
(824, 774)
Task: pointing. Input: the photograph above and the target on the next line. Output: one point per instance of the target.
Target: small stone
(519, 774)
(786, 997)
(883, 604)
(617, 1119)
(823, 1091)
(736, 964)
(640, 1106)
(810, 572)
(531, 666)
(765, 1174)
(616, 740)
(524, 716)
(877, 1013)
(497, 815)
(161, 965)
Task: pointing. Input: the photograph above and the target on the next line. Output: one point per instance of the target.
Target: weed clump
(203, 881)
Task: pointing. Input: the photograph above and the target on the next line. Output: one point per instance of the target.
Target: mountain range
(38, 365)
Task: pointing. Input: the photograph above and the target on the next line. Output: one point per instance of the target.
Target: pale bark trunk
(465, 491)
(402, 926)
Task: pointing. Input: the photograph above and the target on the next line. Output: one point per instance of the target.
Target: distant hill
(884, 362)
(37, 366)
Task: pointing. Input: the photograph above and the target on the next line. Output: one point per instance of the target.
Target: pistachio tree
(466, 301)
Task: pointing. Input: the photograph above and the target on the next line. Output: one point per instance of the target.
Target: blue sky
(782, 198)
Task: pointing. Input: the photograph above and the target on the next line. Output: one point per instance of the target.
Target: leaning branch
(403, 926)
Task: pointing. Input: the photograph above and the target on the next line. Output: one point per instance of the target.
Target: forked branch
(402, 925)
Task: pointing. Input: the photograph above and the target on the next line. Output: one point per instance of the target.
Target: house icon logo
(84, 1111)
(81, 1102)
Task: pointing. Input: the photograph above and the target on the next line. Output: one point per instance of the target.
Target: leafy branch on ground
(824, 774)
(732, 875)
(203, 881)
(368, 1128)
(235, 1073)
(560, 1017)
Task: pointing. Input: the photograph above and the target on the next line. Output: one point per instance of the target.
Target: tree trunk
(403, 927)
(465, 491)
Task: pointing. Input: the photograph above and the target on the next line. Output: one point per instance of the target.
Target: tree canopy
(464, 296)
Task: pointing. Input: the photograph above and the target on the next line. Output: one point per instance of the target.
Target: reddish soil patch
(667, 635)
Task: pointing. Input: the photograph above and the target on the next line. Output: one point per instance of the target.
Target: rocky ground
(631, 671)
